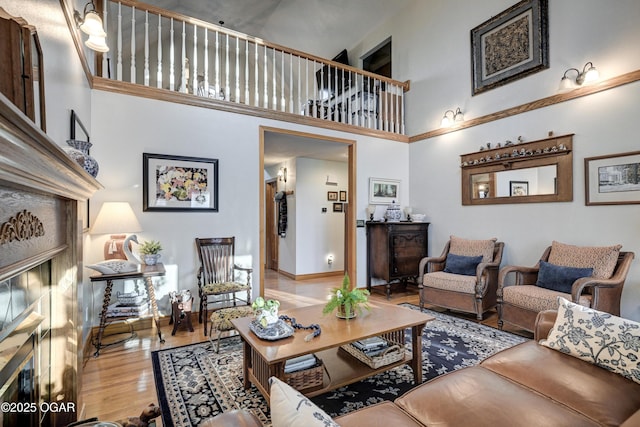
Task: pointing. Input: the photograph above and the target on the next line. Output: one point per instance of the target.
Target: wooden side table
(146, 272)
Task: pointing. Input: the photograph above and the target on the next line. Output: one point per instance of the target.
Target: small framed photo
(511, 45)
(518, 188)
(612, 179)
(383, 191)
(337, 207)
(178, 183)
(343, 196)
(332, 196)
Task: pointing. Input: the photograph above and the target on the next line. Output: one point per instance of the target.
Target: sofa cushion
(560, 278)
(467, 247)
(384, 414)
(291, 408)
(477, 397)
(597, 337)
(460, 264)
(536, 298)
(602, 259)
(599, 394)
(450, 282)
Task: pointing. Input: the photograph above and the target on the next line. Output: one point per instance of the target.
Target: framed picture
(343, 196)
(612, 179)
(332, 196)
(518, 188)
(337, 207)
(510, 45)
(383, 191)
(177, 183)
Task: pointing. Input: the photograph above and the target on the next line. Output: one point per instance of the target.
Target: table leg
(154, 306)
(103, 316)
(416, 344)
(246, 354)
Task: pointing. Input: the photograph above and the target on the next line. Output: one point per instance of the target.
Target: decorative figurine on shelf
(150, 251)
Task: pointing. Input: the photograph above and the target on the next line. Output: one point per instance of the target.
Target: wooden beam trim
(611, 83)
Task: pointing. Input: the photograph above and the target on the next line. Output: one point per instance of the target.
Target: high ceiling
(319, 27)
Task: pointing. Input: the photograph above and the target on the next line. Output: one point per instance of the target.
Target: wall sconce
(115, 217)
(90, 23)
(588, 75)
(282, 174)
(451, 118)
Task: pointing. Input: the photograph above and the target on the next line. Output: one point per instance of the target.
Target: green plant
(353, 300)
(150, 247)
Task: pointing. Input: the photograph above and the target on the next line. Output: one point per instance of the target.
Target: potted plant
(348, 302)
(150, 251)
(266, 311)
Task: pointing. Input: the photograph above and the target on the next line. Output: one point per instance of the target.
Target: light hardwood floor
(119, 383)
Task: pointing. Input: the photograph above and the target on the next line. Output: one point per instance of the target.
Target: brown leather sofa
(526, 385)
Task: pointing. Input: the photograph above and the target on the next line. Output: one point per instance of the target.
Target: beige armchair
(473, 292)
(521, 296)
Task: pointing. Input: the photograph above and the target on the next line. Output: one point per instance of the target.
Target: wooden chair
(520, 300)
(467, 293)
(217, 281)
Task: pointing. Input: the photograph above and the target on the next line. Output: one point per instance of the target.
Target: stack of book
(371, 346)
(137, 309)
(299, 363)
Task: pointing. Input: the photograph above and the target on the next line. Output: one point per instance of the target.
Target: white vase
(270, 317)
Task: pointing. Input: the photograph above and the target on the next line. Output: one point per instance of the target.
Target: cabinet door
(408, 250)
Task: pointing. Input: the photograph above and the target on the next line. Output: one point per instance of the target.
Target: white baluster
(159, 72)
(133, 45)
(184, 78)
(106, 72)
(194, 62)
(237, 72)
(217, 65)
(273, 82)
(206, 62)
(300, 88)
(257, 78)
(172, 62)
(402, 129)
(291, 110)
(146, 48)
(282, 99)
(246, 72)
(227, 87)
(119, 60)
(266, 80)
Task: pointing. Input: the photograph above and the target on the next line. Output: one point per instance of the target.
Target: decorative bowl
(418, 217)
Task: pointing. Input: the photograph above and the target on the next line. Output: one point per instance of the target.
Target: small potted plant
(348, 302)
(150, 251)
(266, 311)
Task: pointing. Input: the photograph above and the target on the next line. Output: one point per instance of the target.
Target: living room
(432, 50)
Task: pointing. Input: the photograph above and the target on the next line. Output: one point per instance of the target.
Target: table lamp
(115, 218)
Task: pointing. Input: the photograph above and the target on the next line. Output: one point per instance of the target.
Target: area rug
(194, 383)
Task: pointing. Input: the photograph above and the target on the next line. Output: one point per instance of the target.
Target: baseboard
(311, 276)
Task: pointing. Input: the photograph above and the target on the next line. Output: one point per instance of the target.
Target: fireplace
(43, 192)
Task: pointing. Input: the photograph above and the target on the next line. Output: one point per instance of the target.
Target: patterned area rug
(194, 383)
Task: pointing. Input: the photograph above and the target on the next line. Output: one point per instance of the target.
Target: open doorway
(305, 156)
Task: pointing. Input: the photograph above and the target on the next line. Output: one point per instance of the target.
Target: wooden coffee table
(264, 359)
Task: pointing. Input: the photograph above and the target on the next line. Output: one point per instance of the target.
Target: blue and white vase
(79, 151)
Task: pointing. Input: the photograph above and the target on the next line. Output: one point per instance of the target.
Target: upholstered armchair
(464, 277)
(589, 276)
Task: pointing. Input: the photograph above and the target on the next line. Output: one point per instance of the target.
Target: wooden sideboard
(394, 251)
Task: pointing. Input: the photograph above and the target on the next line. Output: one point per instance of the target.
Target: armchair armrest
(247, 269)
(544, 322)
(524, 275)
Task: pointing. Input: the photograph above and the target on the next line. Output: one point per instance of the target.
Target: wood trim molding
(67, 10)
(611, 83)
(125, 88)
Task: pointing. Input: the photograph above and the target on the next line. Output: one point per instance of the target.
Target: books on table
(299, 363)
(128, 310)
(371, 346)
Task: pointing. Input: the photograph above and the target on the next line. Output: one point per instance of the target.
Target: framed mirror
(533, 172)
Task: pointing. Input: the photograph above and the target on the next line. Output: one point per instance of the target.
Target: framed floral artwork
(178, 183)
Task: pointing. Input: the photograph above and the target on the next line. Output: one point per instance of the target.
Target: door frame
(271, 230)
(350, 256)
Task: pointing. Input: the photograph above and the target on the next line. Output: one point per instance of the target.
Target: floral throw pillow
(290, 408)
(608, 341)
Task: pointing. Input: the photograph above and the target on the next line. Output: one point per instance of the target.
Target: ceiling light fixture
(588, 75)
(451, 118)
(90, 23)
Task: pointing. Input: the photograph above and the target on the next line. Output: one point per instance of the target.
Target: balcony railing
(158, 48)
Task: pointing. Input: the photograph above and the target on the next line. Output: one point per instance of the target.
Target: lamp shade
(97, 43)
(115, 218)
(92, 25)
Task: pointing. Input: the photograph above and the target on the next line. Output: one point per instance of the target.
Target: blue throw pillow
(559, 278)
(460, 264)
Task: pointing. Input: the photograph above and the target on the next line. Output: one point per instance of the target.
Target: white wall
(435, 55)
(124, 127)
